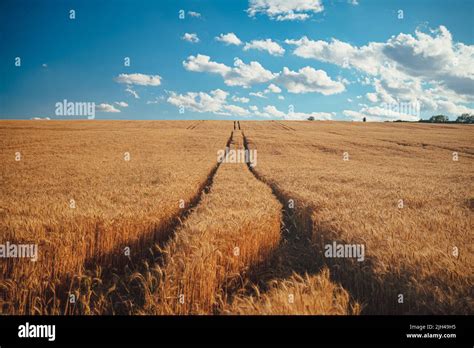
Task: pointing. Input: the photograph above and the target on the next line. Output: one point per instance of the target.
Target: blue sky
(340, 60)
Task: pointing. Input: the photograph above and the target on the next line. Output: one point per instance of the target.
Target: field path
(233, 244)
(149, 253)
(235, 226)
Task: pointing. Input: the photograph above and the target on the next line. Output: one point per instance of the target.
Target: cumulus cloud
(434, 57)
(427, 67)
(270, 111)
(308, 80)
(104, 107)
(451, 108)
(270, 89)
(229, 39)
(236, 110)
(273, 88)
(122, 104)
(241, 74)
(273, 111)
(285, 10)
(305, 80)
(191, 37)
(202, 63)
(265, 45)
(139, 79)
(240, 99)
(366, 58)
(199, 101)
(214, 102)
(377, 113)
(247, 74)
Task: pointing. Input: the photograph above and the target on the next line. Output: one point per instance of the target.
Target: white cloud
(451, 108)
(353, 2)
(191, 37)
(236, 110)
(202, 63)
(200, 101)
(214, 102)
(434, 58)
(305, 80)
(139, 79)
(106, 108)
(273, 111)
(130, 90)
(258, 94)
(377, 113)
(366, 58)
(285, 10)
(428, 67)
(270, 89)
(270, 111)
(281, 97)
(240, 99)
(247, 74)
(268, 45)
(372, 97)
(122, 104)
(229, 39)
(40, 119)
(273, 88)
(354, 114)
(308, 80)
(240, 75)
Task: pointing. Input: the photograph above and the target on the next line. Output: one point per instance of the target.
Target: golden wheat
(75, 195)
(400, 193)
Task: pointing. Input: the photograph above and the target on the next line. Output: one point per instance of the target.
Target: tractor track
(301, 251)
(112, 266)
(195, 125)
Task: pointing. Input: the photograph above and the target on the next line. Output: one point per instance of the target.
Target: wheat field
(140, 217)
(395, 188)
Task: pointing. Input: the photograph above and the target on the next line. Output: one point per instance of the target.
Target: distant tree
(439, 119)
(465, 118)
(364, 119)
(311, 118)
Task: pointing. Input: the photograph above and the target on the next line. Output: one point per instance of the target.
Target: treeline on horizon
(464, 118)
